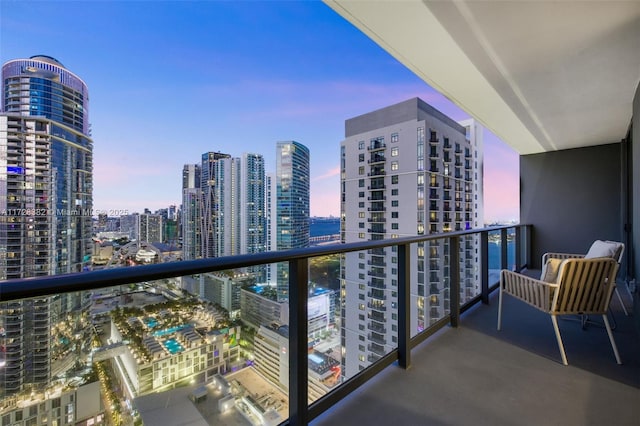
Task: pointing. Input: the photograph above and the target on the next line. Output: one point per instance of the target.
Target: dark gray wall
(571, 197)
(635, 137)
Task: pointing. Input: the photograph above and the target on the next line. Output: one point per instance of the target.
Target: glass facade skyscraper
(292, 210)
(46, 186)
(190, 219)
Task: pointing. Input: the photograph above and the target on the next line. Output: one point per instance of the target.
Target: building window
(361, 145)
(361, 297)
(394, 191)
(361, 157)
(394, 226)
(361, 194)
(361, 170)
(360, 265)
(394, 203)
(361, 215)
(394, 137)
(361, 225)
(361, 306)
(361, 254)
(394, 165)
(394, 151)
(394, 215)
(361, 276)
(361, 235)
(394, 179)
(361, 183)
(361, 204)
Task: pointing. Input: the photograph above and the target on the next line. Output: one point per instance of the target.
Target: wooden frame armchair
(618, 252)
(583, 286)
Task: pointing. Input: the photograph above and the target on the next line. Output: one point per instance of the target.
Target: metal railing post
(484, 266)
(504, 254)
(454, 280)
(404, 307)
(298, 342)
(518, 243)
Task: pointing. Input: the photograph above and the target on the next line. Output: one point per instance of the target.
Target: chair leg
(500, 308)
(624, 308)
(554, 320)
(613, 342)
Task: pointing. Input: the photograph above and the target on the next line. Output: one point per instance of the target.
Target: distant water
(331, 226)
(494, 255)
(324, 226)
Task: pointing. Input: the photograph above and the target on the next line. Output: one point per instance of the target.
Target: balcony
(518, 366)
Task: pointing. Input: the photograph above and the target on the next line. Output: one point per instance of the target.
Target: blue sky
(171, 80)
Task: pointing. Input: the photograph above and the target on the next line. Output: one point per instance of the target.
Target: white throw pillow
(602, 249)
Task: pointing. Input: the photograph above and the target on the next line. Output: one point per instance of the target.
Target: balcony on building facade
(376, 219)
(377, 349)
(377, 207)
(377, 283)
(376, 273)
(376, 145)
(377, 157)
(377, 338)
(377, 261)
(377, 306)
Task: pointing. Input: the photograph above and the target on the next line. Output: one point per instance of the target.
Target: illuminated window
(394, 165)
(394, 151)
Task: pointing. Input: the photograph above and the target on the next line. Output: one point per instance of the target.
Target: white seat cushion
(550, 270)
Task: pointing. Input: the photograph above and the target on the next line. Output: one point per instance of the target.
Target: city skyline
(173, 80)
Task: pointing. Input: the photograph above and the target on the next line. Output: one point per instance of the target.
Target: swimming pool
(166, 331)
(151, 322)
(173, 346)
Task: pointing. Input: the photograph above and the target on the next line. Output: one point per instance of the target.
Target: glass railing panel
(495, 256)
(470, 268)
(324, 357)
(368, 300)
(429, 283)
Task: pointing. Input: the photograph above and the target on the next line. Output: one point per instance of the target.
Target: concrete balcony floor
(476, 375)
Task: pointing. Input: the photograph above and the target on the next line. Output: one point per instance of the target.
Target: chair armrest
(561, 256)
(530, 290)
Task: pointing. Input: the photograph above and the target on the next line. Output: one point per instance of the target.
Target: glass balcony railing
(271, 353)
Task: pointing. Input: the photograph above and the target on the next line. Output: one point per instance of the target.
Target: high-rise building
(252, 216)
(219, 219)
(292, 208)
(407, 170)
(150, 227)
(271, 201)
(190, 216)
(46, 186)
(232, 206)
(252, 202)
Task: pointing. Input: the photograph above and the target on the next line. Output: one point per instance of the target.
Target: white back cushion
(603, 249)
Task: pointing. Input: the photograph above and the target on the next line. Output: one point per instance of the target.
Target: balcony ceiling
(541, 75)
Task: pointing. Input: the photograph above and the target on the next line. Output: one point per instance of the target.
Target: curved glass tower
(42, 86)
(46, 186)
